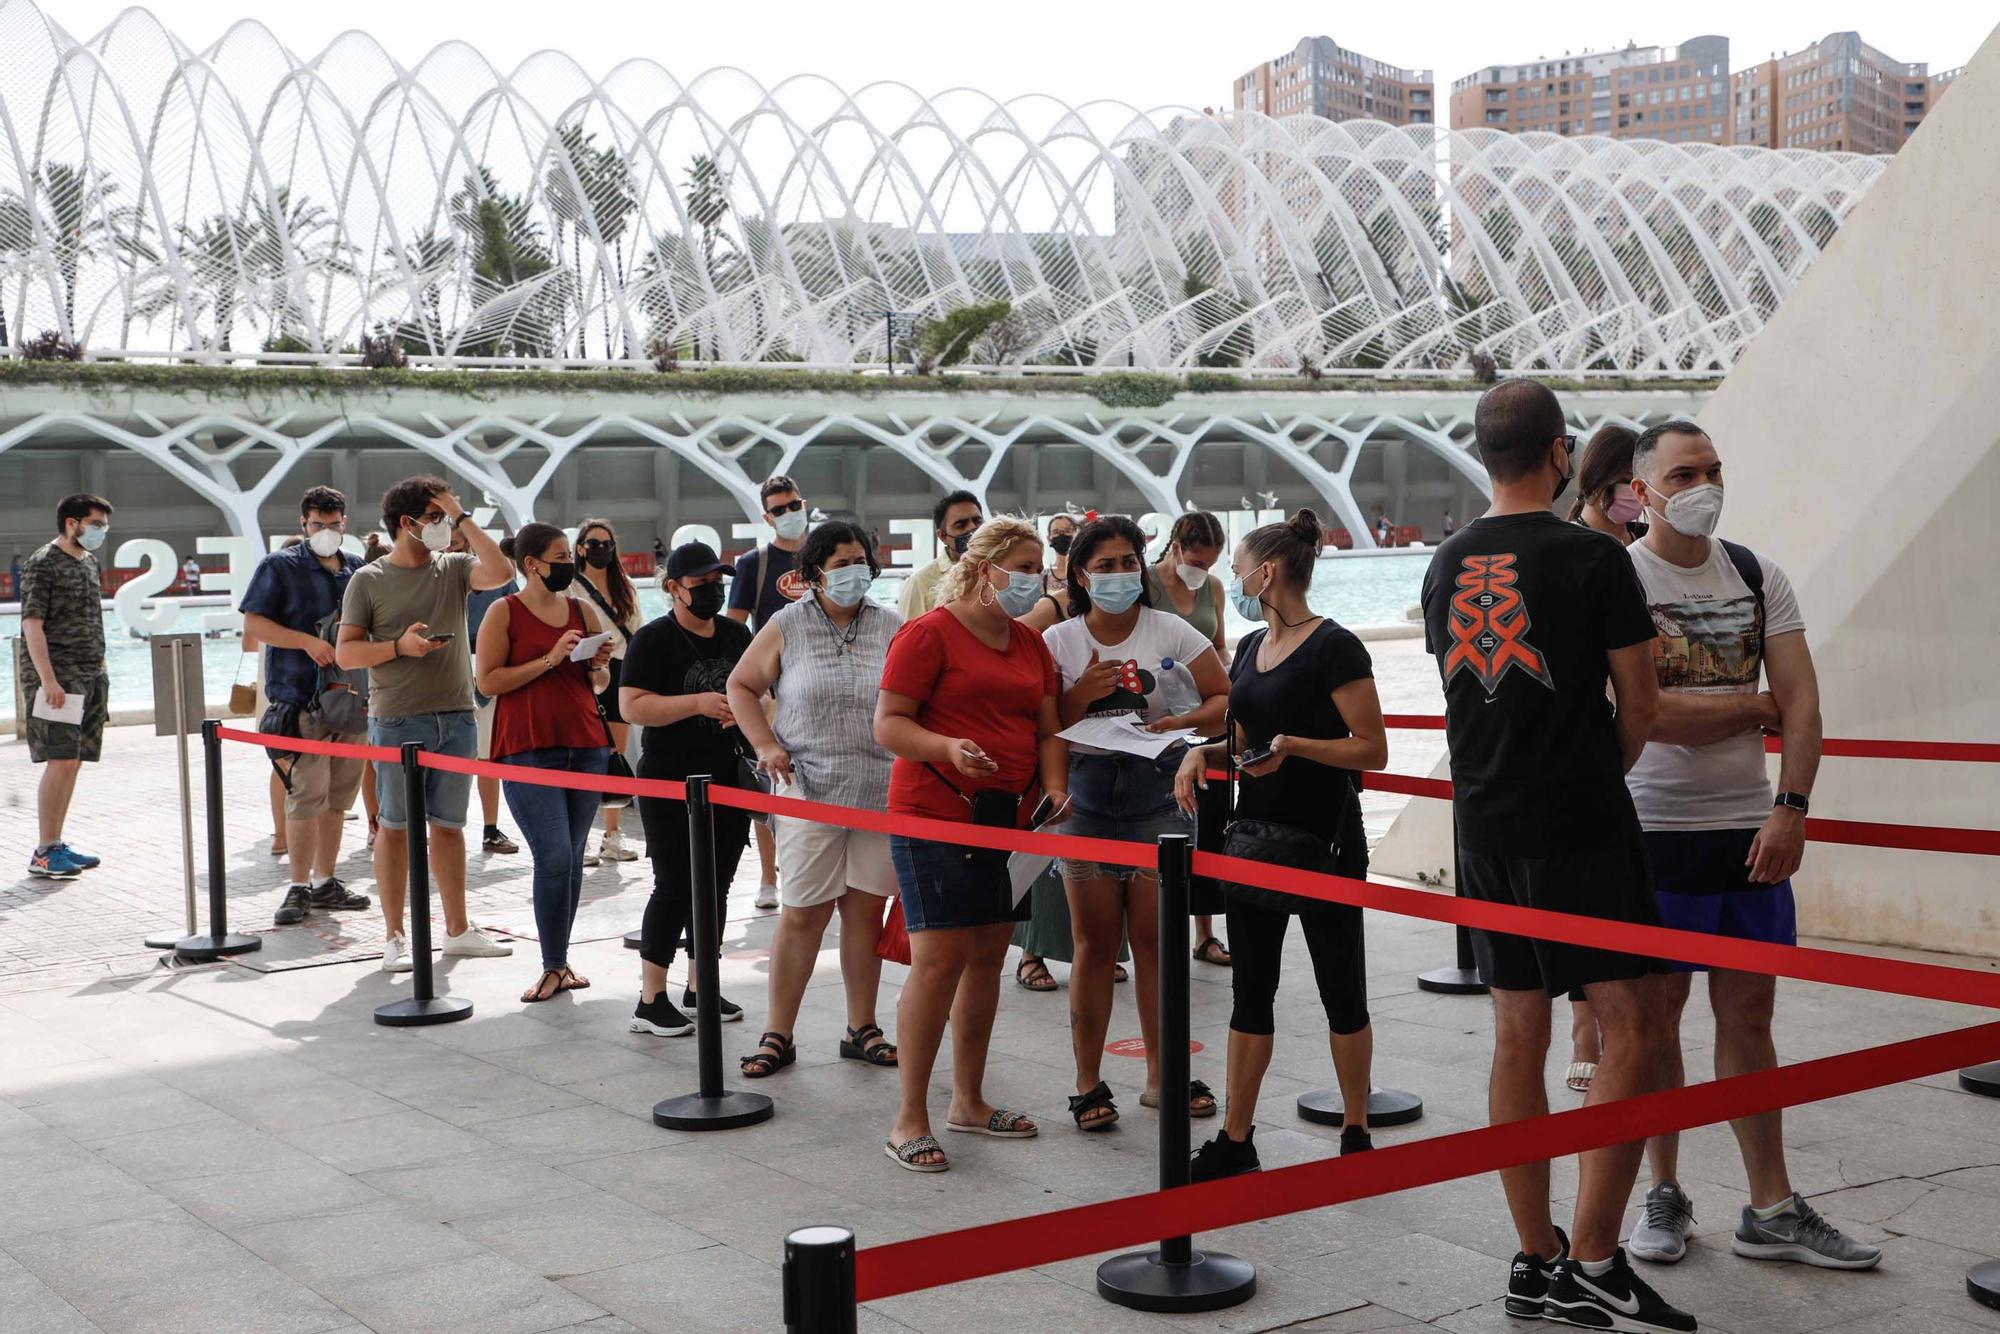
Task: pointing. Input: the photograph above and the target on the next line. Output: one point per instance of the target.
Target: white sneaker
(589, 858)
(613, 848)
(472, 943)
(767, 896)
(395, 955)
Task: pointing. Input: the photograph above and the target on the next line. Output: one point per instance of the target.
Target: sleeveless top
(557, 708)
(1204, 617)
(826, 691)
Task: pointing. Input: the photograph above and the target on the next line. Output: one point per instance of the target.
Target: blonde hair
(993, 540)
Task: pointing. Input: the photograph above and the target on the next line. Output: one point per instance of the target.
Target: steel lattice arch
(241, 199)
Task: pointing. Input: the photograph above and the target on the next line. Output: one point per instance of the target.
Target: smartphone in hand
(1255, 755)
(443, 637)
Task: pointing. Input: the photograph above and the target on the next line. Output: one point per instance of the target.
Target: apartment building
(1680, 94)
(1839, 94)
(1319, 77)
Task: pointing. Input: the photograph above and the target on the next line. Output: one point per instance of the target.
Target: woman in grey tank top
(821, 660)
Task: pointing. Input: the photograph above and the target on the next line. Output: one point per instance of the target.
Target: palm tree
(17, 241)
(706, 190)
(522, 294)
(614, 202)
(75, 220)
(422, 265)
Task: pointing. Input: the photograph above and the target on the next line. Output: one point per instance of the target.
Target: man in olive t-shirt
(403, 619)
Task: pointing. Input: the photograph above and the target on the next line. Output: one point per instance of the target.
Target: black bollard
(713, 1107)
(424, 1005)
(819, 1281)
(218, 942)
(1982, 1284)
(1176, 1277)
(1462, 980)
(1984, 1079)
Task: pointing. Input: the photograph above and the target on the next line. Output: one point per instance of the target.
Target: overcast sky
(1166, 53)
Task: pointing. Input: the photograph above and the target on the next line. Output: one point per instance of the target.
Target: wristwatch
(1793, 801)
(463, 515)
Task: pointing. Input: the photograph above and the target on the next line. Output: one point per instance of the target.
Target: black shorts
(1609, 883)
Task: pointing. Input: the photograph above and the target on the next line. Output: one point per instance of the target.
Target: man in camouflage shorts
(62, 620)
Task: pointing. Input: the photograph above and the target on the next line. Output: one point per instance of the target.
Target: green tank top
(1205, 617)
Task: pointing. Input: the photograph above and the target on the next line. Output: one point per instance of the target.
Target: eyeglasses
(790, 507)
(430, 516)
(336, 526)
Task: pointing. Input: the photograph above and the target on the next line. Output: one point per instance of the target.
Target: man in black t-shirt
(766, 583)
(1529, 619)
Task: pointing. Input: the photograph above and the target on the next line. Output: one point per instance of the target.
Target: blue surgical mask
(1114, 593)
(846, 586)
(1021, 594)
(1249, 606)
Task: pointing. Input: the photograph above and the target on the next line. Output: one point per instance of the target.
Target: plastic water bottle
(1177, 688)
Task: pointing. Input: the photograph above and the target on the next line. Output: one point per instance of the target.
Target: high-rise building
(1319, 77)
(1676, 93)
(1839, 94)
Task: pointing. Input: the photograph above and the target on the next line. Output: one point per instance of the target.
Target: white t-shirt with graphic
(1708, 643)
(1157, 639)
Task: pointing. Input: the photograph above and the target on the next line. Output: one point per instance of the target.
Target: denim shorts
(1125, 797)
(445, 795)
(944, 885)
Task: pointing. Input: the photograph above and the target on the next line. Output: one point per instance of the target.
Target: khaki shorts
(322, 783)
(817, 863)
(482, 718)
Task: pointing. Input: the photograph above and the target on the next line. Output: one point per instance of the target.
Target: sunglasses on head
(789, 507)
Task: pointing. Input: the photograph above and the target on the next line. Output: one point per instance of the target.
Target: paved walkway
(219, 1148)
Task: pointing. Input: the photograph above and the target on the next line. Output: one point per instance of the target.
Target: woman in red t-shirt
(545, 717)
(968, 707)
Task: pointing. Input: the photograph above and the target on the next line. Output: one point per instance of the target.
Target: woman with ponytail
(611, 591)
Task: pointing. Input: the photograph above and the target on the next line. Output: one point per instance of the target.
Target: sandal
(1201, 1100)
(907, 1152)
(762, 1064)
(868, 1044)
(1118, 973)
(1001, 1125)
(1034, 975)
(573, 980)
(1098, 1100)
(1579, 1075)
(1212, 951)
(547, 987)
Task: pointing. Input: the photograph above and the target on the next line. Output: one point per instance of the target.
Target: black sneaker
(659, 1017)
(298, 900)
(1616, 1299)
(330, 893)
(1224, 1157)
(1354, 1139)
(1528, 1281)
(730, 1011)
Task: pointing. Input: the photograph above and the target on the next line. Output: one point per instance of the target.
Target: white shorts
(482, 717)
(817, 863)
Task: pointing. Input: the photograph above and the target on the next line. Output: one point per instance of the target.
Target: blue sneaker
(83, 859)
(58, 863)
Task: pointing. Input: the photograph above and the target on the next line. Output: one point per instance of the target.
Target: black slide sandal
(1099, 1097)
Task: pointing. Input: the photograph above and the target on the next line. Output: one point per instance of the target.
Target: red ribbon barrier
(1952, 752)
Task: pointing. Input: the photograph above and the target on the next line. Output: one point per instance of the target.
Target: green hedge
(1117, 389)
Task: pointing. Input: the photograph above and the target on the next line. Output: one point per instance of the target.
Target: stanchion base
(412, 1013)
(1386, 1107)
(200, 949)
(691, 1111)
(1451, 982)
(633, 939)
(1211, 1282)
(1982, 1284)
(1981, 1079)
(166, 940)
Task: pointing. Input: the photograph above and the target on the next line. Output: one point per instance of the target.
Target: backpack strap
(757, 597)
(1751, 571)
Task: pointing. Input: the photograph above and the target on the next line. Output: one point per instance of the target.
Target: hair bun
(1305, 526)
(507, 546)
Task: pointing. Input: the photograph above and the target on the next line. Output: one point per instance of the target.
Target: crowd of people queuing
(1608, 680)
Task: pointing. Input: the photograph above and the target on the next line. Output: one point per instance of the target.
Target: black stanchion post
(713, 1107)
(218, 942)
(819, 1281)
(1177, 1277)
(424, 1005)
(1983, 1079)
(1982, 1284)
(1463, 979)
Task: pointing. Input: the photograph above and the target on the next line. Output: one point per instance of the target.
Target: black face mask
(598, 556)
(1562, 483)
(1061, 543)
(559, 574)
(704, 601)
(960, 543)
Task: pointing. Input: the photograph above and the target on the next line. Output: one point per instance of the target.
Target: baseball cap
(692, 560)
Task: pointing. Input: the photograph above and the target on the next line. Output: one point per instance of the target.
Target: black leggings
(1256, 949)
(666, 824)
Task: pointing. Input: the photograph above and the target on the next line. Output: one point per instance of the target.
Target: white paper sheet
(586, 647)
(70, 712)
(1023, 868)
(1125, 736)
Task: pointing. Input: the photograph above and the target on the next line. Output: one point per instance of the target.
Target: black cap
(692, 560)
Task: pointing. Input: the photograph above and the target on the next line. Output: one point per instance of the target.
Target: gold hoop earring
(987, 595)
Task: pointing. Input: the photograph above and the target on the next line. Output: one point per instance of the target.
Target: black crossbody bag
(991, 808)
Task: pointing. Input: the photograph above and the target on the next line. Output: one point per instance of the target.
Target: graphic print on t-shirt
(1129, 694)
(1705, 643)
(1489, 625)
(703, 676)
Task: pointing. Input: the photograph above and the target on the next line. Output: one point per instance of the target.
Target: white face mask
(325, 543)
(1693, 512)
(791, 525)
(92, 537)
(1192, 575)
(435, 536)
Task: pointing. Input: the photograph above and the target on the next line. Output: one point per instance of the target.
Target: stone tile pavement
(219, 1149)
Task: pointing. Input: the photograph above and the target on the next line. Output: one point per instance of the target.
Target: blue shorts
(1701, 882)
(1121, 797)
(445, 795)
(945, 885)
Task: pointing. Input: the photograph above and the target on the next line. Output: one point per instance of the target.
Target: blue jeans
(445, 795)
(556, 822)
